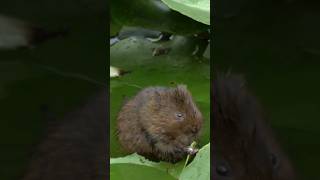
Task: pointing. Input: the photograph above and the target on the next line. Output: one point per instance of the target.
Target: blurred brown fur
(243, 144)
(76, 149)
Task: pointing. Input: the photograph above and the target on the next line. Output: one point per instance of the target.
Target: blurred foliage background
(26, 84)
(276, 45)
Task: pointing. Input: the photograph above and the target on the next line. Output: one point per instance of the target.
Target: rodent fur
(244, 146)
(76, 147)
(150, 123)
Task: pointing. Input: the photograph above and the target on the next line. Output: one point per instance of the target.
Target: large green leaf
(153, 14)
(136, 172)
(173, 170)
(199, 168)
(198, 10)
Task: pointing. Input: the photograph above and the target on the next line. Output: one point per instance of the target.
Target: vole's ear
(181, 94)
(157, 98)
(181, 88)
(236, 105)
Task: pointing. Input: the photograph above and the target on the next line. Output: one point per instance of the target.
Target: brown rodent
(243, 145)
(159, 123)
(75, 148)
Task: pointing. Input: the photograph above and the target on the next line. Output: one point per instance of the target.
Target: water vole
(159, 123)
(243, 145)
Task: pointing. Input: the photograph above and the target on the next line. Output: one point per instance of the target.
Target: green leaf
(198, 10)
(199, 168)
(134, 159)
(155, 15)
(136, 172)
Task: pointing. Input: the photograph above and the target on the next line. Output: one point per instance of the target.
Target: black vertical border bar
(107, 68)
(212, 35)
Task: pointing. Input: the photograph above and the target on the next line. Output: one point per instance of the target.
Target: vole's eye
(179, 116)
(274, 160)
(222, 170)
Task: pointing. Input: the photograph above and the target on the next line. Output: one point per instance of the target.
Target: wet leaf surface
(197, 10)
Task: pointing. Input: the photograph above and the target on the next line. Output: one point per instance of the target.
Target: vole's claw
(192, 151)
